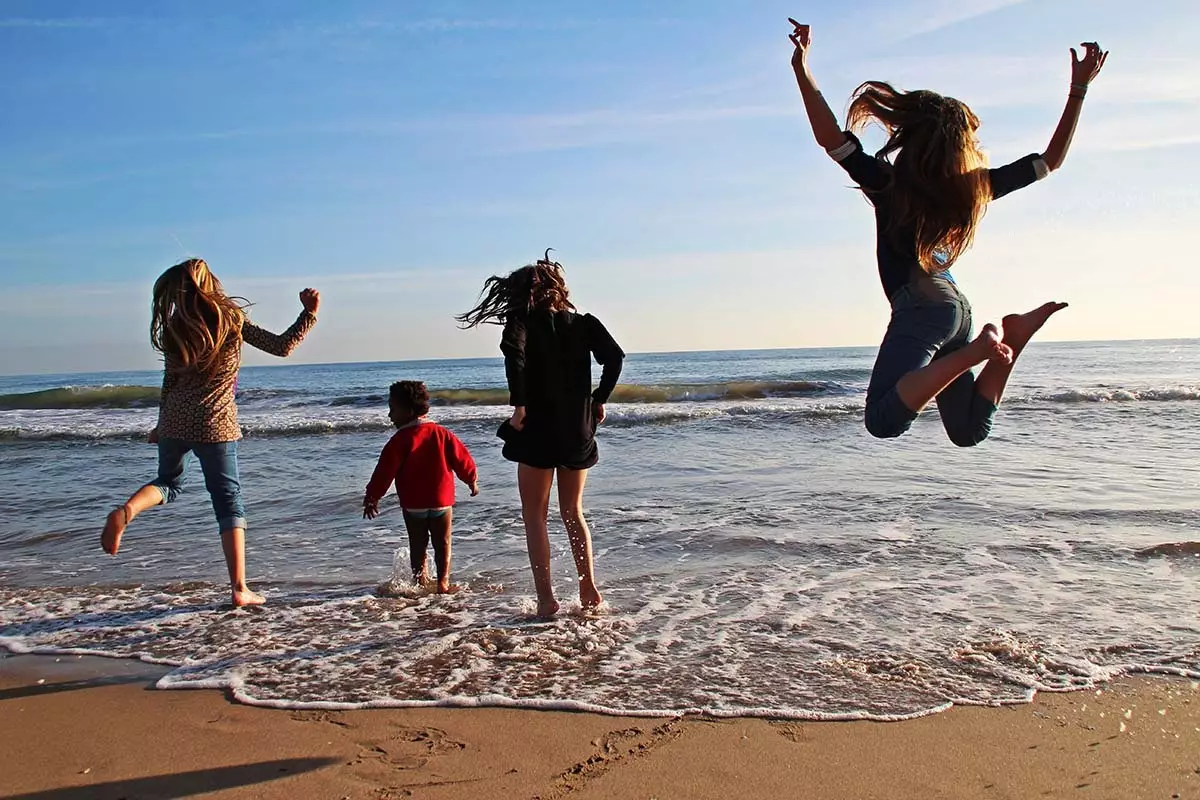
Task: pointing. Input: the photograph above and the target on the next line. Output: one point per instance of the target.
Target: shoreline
(82, 726)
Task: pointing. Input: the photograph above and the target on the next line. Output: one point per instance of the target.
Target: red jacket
(422, 459)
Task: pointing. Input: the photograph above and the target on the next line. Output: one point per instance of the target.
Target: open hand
(311, 300)
(517, 420)
(1084, 70)
(801, 38)
(370, 510)
(601, 414)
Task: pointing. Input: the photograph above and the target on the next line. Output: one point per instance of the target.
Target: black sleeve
(607, 353)
(869, 172)
(1017, 175)
(512, 344)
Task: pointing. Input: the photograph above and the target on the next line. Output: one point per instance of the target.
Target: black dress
(547, 359)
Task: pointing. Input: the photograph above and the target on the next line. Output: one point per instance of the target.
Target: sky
(394, 154)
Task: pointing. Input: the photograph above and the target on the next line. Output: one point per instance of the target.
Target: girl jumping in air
(199, 330)
(930, 186)
(547, 358)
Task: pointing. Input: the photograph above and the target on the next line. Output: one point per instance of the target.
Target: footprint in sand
(408, 748)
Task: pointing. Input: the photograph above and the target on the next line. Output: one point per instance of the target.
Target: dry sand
(75, 728)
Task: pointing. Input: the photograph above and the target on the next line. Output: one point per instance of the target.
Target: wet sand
(73, 728)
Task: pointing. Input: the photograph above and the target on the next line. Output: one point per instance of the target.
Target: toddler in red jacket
(422, 459)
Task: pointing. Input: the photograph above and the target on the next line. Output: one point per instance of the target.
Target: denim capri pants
(930, 319)
(218, 460)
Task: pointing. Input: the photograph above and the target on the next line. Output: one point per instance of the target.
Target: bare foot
(547, 608)
(114, 526)
(245, 597)
(589, 596)
(989, 345)
(445, 587)
(1020, 328)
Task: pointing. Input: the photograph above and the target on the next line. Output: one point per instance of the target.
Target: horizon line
(637, 353)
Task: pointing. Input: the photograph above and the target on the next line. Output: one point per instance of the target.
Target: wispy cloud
(56, 22)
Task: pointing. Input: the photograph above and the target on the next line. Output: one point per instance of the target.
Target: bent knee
(967, 438)
(882, 428)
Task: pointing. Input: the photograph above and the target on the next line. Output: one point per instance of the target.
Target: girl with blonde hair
(930, 186)
(200, 330)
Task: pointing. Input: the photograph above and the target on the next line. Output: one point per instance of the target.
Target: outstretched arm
(1083, 71)
(825, 125)
(282, 344)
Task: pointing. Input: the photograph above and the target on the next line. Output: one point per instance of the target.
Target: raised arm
(825, 125)
(1083, 72)
(282, 344)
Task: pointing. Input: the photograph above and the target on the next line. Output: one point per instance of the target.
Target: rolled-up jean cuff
(229, 523)
(164, 491)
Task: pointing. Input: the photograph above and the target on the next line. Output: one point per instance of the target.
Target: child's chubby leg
(417, 526)
(440, 527)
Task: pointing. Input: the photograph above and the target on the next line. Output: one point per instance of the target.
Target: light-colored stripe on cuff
(843, 151)
(1040, 168)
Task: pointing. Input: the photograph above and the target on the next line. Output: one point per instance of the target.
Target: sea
(759, 553)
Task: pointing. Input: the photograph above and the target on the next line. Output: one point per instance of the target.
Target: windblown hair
(537, 287)
(192, 318)
(411, 395)
(940, 187)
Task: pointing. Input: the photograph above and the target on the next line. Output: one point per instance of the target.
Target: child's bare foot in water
(989, 346)
(446, 587)
(242, 596)
(547, 608)
(114, 526)
(1020, 328)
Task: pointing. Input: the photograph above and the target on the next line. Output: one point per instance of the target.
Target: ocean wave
(80, 397)
(626, 393)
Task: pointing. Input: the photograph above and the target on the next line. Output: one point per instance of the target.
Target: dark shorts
(549, 447)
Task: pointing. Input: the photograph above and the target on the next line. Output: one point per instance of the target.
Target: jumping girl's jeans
(930, 319)
(218, 460)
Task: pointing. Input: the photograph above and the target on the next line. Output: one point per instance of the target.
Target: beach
(81, 727)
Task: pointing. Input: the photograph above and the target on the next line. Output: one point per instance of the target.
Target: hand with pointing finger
(801, 38)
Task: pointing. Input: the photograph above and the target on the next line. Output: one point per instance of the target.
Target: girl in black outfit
(547, 359)
(930, 186)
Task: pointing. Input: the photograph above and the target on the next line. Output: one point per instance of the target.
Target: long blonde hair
(192, 318)
(940, 187)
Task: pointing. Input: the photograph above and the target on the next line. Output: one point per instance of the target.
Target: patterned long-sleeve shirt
(200, 408)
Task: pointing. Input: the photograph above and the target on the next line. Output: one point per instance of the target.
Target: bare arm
(1083, 71)
(825, 127)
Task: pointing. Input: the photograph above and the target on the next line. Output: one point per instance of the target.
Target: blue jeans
(930, 319)
(218, 460)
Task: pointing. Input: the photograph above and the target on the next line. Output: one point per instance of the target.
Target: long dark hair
(535, 287)
(941, 187)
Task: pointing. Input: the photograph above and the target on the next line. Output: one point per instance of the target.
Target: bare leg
(917, 388)
(570, 502)
(439, 533)
(1018, 330)
(233, 542)
(145, 497)
(418, 544)
(534, 485)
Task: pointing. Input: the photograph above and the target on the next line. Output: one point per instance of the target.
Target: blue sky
(394, 154)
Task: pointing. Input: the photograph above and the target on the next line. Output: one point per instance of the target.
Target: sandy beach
(95, 728)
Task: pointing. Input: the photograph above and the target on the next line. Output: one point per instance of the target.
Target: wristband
(1083, 87)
